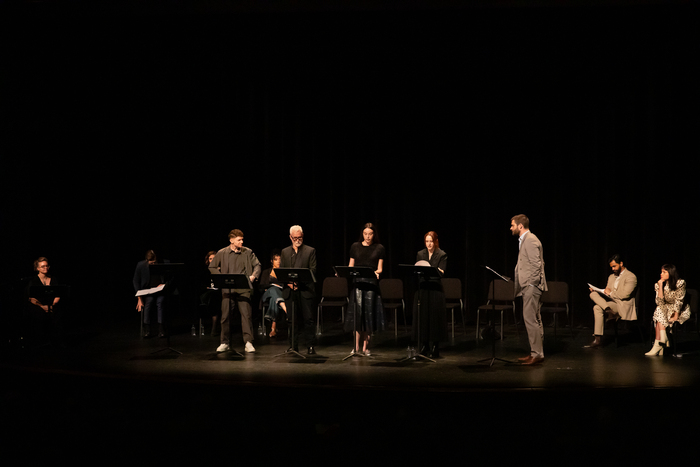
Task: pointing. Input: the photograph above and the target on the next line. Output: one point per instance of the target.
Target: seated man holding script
(617, 299)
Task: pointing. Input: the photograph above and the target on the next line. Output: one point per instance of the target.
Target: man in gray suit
(529, 283)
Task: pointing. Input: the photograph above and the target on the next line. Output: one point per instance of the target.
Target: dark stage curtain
(137, 131)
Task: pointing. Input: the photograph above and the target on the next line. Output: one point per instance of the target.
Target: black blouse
(367, 256)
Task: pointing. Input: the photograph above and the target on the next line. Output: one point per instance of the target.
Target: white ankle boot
(658, 349)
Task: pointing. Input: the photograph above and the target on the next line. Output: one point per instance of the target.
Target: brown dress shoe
(523, 359)
(532, 361)
(597, 342)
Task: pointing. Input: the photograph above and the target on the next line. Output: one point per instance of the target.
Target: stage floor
(112, 382)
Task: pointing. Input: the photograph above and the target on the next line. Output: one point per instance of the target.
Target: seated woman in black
(273, 292)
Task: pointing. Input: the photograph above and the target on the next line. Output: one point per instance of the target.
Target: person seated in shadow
(209, 298)
(273, 292)
(670, 297)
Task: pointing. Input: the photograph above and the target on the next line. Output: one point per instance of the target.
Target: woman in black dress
(367, 252)
(44, 319)
(433, 312)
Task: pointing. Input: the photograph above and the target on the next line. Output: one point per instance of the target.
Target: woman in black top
(433, 312)
(44, 319)
(367, 252)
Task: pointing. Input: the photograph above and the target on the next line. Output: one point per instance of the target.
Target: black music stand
(294, 276)
(47, 293)
(492, 323)
(355, 273)
(167, 273)
(424, 274)
(229, 282)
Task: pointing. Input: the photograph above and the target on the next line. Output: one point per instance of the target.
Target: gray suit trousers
(533, 320)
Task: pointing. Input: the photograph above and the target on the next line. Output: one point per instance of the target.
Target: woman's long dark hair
(672, 275)
(375, 237)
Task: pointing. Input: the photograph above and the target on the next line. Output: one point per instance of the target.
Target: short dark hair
(616, 258)
(39, 260)
(235, 233)
(275, 252)
(521, 219)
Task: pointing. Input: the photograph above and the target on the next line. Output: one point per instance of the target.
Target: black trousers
(304, 319)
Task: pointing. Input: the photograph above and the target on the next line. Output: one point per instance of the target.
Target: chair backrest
(335, 287)
(557, 292)
(691, 297)
(501, 291)
(452, 288)
(391, 289)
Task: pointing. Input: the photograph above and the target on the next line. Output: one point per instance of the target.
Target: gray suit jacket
(530, 267)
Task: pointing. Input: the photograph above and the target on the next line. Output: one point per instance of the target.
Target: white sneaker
(222, 348)
(249, 347)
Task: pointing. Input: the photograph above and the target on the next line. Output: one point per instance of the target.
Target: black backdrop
(127, 129)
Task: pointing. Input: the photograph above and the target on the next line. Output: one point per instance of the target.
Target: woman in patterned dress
(670, 295)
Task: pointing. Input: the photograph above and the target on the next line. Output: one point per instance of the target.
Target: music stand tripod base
(292, 351)
(416, 356)
(233, 351)
(354, 353)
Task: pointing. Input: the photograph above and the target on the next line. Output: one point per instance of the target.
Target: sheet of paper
(150, 291)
